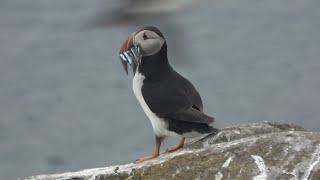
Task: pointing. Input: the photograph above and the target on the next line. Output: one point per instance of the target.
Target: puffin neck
(152, 67)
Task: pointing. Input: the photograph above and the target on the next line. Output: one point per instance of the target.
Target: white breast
(159, 126)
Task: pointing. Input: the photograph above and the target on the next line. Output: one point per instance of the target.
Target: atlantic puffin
(169, 100)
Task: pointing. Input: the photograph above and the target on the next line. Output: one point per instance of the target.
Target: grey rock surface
(255, 151)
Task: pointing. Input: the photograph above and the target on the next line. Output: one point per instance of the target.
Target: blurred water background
(66, 104)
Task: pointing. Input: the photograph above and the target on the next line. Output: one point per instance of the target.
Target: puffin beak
(129, 54)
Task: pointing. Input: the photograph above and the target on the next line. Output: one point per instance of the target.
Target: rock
(255, 151)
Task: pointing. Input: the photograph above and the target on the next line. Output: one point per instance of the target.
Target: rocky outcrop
(255, 151)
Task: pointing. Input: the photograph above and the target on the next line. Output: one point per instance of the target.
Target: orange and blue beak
(129, 54)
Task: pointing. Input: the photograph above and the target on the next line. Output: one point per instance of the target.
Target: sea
(66, 104)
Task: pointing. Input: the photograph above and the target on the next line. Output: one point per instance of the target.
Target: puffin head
(146, 42)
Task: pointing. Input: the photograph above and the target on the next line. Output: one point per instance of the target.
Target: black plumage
(171, 96)
(170, 101)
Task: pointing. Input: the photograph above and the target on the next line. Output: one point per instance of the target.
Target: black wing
(175, 98)
(191, 115)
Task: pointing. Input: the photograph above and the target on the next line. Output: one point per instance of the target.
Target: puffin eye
(145, 36)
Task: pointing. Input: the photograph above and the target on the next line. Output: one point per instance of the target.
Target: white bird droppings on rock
(218, 176)
(297, 156)
(262, 167)
(314, 161)
(226, 164)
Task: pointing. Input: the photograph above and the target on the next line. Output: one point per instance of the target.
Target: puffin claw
(177, 146)
(145, 158)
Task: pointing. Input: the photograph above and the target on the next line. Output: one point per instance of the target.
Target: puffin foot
(147, 157)
(177, 146)
(155, 152)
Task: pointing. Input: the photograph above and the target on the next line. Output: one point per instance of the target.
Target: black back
(167, 93)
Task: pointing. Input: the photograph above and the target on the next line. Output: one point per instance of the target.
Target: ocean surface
(66, 103)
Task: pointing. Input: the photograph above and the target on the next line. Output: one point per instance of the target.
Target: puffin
(171, 103)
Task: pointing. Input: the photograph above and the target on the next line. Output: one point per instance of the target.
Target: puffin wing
(191, 115)
(175, 98)
(164, 99)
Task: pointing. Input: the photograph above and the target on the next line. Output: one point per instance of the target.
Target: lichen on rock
(251, 151)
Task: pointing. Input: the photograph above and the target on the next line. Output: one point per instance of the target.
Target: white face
(149, 42)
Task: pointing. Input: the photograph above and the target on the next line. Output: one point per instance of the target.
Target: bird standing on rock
(170, 101)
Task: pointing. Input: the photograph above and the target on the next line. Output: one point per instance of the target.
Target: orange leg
(155, 152)
(177, 146)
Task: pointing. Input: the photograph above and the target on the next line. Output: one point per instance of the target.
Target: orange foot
(155, 152)
(147, 157)
(177, 146)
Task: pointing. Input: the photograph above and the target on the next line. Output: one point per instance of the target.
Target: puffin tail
(205, 129)
(211, 133)
(200, 130)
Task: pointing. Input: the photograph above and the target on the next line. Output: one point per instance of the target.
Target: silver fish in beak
(130, 54)
(132, 57)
